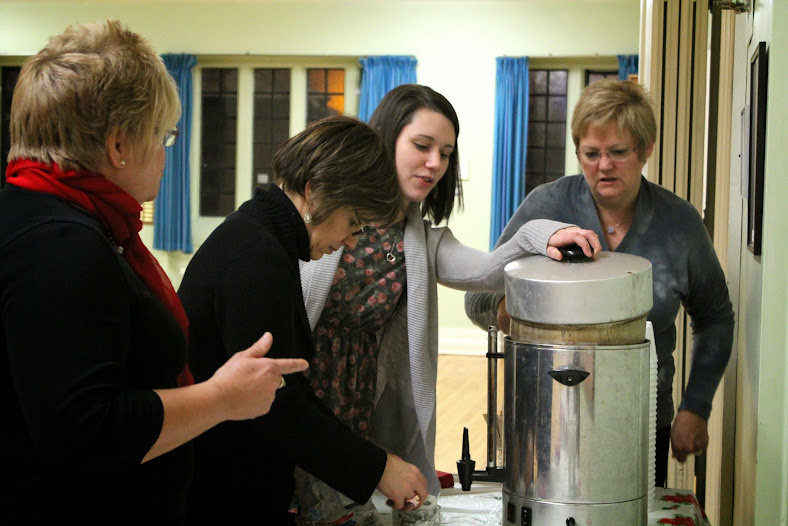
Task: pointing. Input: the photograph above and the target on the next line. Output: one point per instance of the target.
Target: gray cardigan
(406, 381)
(669, 232)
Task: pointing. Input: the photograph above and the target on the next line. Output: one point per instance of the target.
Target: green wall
(771, 25)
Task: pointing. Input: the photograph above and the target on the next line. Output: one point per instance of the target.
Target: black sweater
(83, 342)
(243, 281)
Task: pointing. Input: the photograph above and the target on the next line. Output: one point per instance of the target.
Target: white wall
(759, 286)
(771, 502)
(455, 42)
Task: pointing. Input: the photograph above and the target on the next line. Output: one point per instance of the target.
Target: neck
(405, 205)
(297, 199)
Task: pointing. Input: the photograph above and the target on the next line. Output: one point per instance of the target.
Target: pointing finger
(291, 365)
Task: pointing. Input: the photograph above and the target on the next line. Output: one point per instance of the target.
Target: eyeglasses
(170, 137)
(593, 156)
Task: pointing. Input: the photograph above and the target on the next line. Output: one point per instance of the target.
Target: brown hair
(346, 165)
(396, 111)
(621, 101)
(89, 81)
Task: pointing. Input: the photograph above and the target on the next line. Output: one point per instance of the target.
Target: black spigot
(465, 465)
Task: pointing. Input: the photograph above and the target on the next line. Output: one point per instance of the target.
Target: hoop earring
(307, 218)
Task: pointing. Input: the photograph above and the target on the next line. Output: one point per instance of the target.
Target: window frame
(576, 67)
(202, 226)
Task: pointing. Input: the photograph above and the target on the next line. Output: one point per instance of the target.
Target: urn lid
(609, 288)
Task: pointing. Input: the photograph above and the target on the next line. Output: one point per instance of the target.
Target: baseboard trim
(467, 342)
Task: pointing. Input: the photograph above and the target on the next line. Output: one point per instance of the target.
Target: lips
(424, 180)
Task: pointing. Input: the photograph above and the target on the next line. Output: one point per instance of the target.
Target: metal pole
(492, 395)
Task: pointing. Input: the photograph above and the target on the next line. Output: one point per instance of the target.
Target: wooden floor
(462, 402)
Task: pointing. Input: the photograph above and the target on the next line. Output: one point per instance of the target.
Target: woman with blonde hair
(614, 129)
(95, 421)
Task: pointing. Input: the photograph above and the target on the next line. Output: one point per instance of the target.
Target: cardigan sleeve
(481, 306)
(464, 268)
(711, 313)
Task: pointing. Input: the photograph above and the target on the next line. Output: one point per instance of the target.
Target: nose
(350, 242)
(605, 162)
(433, 159)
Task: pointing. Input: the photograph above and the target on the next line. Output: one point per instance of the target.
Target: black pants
(661, 460)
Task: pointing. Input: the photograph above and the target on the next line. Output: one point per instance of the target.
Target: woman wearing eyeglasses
(95, 423)
(614, 130)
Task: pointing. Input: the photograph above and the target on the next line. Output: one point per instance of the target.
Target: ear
(116, 149)
(307, 191)
(649, 151)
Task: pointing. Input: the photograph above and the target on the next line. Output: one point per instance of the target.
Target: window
(326, 94)
(8, 78)
(594, 75)
(547, 101)
(218, 141)
(555, 85)
(245, 108)
(271, 119)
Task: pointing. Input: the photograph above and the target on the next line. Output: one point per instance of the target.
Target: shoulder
(47, 224)
(60, 254)
(239, 235)
(667, 205)
(565, 187)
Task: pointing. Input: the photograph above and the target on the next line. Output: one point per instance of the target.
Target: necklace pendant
(390, 257)
(611, 230)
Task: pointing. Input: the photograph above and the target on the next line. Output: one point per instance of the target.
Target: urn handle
(569, 377)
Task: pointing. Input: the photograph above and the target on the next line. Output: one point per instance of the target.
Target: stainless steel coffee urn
(576, 392)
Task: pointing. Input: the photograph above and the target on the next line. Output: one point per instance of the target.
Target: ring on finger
(282, 383)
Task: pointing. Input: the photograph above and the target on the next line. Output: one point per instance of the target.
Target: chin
(417, 197)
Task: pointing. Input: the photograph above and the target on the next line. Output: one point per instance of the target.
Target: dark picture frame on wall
(759, 64)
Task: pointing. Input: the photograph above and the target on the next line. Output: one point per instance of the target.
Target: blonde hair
(86, 83)
(623, 102)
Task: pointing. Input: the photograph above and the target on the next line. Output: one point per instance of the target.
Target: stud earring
(307, 218)
(122, 162)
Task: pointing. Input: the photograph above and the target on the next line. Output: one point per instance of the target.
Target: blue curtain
(378, 76)
(511, 141)
(627, 65)
(172, 222)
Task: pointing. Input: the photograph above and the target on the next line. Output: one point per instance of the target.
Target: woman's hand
(688, 435)
(244, 387)
(247, 382)
(587, 240)
(403, 484)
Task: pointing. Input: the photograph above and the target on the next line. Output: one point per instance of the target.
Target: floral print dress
(367, 286)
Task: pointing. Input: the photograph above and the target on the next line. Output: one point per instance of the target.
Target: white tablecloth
(482, 506)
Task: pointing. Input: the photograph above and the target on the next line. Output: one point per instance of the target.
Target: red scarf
(120, 215)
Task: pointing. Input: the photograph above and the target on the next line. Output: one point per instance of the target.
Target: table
(482, 506)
